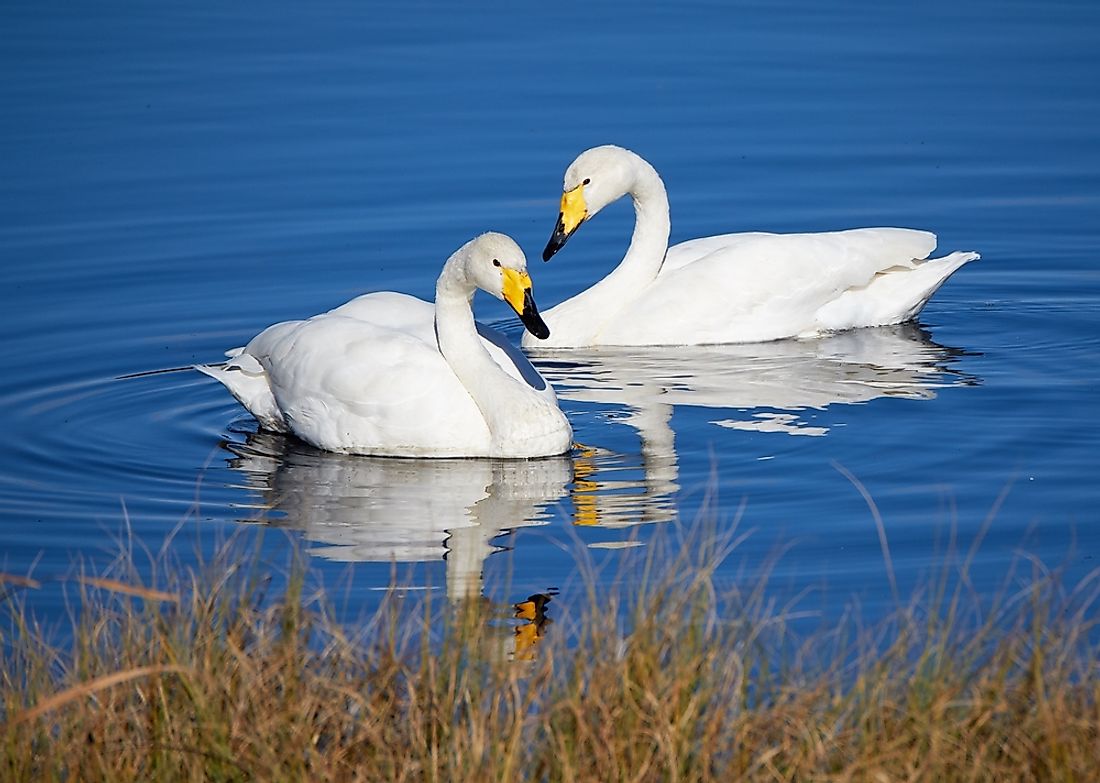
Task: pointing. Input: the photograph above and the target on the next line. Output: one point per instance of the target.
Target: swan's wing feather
(416, 317)
(749, 287)
(341, 379)
(684, 253)
(391, 309)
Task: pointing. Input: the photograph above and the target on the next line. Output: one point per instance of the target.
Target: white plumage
(390, 374)
(733, 288)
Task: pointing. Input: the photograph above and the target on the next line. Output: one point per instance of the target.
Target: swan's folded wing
(684, 253)
(415, 317)
(753, 287)
(342, 380)
(391, 309)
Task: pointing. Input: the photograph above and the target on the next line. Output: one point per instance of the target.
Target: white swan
(389, 374)
(733, 288)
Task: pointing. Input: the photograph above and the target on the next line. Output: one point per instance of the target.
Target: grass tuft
(218, 676)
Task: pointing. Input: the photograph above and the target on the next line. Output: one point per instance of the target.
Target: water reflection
(378, 509)
(382, 509)
(399, 510)
(768, 386)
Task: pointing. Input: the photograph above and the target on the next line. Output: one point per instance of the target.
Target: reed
(209, 675)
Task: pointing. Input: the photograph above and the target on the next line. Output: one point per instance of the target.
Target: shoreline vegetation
(223, 673)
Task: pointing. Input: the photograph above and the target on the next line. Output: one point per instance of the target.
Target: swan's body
(389, 374)
(733, 288)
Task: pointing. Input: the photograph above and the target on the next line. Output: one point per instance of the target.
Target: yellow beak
(517, 293)
(516, 284)
(573, 209)
(573, 212)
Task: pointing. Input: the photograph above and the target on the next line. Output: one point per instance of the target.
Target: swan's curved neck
(498, 396)
(649, 242)
(648, 245)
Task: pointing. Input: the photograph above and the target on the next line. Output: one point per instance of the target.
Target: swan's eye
(587, 181)
(496, 262)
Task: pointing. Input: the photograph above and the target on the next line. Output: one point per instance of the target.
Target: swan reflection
(383, 509)
(399, 510)
(764, 387)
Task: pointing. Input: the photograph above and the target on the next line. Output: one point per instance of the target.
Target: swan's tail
(894, 295)
(246, 380)
(915, 287)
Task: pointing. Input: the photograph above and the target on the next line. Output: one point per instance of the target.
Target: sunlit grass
(209, 676)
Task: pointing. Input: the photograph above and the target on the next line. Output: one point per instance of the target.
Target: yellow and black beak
(573, 212)
(517, 293)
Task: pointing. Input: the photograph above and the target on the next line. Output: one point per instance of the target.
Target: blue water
(172, 180)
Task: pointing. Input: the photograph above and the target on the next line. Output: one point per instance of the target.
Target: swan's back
(904, 243)
(416, 317)
(753, 287)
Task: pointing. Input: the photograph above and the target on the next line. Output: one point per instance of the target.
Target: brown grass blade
(22, 581)
(116, 586)
(94, 686)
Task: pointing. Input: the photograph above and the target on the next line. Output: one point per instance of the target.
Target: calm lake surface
(173, 180)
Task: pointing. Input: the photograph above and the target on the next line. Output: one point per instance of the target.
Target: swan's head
(596, 178)
(495, 263)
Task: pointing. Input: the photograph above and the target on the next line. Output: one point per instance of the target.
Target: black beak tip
(557, 240)
(556, 243)
(540, 330)
(531, 318)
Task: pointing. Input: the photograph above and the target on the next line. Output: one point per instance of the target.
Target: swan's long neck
(500, 398)
(649, 242)
(648, 245)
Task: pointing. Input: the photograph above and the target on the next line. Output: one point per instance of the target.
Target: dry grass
(207, 678)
